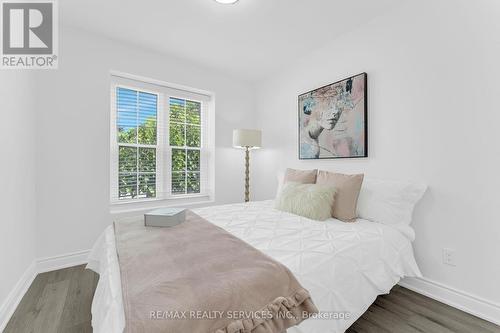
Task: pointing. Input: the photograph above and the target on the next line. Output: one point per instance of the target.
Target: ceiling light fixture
(227, 2)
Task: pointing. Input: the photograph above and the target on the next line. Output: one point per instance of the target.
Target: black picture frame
(365, 115)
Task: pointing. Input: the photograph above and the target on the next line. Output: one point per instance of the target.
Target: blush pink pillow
(300, 176)
(346, 197)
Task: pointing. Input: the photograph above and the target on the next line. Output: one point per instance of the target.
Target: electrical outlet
(449, 257)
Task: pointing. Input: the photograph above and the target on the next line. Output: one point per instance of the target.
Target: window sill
(142, 205)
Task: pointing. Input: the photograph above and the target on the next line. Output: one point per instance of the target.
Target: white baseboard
(38, 266)
(14, 298)
(63, 261)
(466, 302)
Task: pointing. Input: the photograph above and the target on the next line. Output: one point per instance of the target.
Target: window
(160, 147)
(185, 140)
(137, 143)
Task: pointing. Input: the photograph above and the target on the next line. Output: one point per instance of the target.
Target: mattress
(345, 266)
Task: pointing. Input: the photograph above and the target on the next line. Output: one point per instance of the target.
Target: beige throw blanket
(198, 278)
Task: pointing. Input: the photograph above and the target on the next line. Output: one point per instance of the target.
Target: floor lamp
(247, 139)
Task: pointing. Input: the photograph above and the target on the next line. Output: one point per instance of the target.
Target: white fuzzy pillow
(308, 200)
(281, 180)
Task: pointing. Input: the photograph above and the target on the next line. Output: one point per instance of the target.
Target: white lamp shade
(247, 138)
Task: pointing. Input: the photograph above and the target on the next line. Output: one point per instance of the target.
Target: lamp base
(247, 174)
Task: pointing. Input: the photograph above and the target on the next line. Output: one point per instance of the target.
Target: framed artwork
(333, 120)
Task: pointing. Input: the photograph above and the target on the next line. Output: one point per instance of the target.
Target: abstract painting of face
(333, 120)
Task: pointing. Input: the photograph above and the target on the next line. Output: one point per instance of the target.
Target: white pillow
(388, 202)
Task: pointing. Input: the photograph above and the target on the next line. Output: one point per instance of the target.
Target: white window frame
(164, 91)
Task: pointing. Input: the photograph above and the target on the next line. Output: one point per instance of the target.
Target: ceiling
(251, 39)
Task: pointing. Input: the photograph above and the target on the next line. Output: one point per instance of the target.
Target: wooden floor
(60, 301)
(56, 302)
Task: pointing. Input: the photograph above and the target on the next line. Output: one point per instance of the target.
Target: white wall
(73, 134)
(17, 167)
(433, 84)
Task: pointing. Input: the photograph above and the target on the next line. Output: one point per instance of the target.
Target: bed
(344, 266)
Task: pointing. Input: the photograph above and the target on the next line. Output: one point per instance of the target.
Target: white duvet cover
(343, 265)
